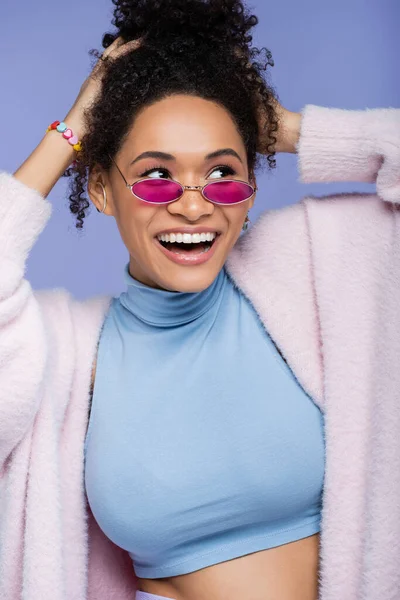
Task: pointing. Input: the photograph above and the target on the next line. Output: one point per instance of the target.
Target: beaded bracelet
(67, 134)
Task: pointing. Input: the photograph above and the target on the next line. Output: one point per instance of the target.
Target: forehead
(183, 125)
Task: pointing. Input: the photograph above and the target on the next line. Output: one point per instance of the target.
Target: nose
(191, 205)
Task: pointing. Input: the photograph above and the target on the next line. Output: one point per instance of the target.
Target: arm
(24, 213)
(336, 144)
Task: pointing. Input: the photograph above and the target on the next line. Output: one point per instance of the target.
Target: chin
(185, 270)
(188, 279)
(188, 272)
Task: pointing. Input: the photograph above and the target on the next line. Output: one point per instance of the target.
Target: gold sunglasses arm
(122, 175)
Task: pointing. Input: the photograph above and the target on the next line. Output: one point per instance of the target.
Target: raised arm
(24, 212)
(336, 144)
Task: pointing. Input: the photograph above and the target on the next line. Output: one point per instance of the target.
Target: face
(186, 130)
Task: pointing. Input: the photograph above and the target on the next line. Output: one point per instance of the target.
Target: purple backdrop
(341, 54)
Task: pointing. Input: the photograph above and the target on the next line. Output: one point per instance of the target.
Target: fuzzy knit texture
(324, 276)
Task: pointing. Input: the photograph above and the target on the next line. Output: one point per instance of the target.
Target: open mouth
(202, 248)
(183, 248)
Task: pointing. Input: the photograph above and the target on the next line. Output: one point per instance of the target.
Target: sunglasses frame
(199, 188)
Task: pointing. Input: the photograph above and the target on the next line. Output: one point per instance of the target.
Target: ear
(253, 182)
(99, 190)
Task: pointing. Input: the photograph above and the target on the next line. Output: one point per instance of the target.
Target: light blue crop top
(202, 446)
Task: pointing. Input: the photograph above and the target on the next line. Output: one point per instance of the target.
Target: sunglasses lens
(228, 192)
(158, 191)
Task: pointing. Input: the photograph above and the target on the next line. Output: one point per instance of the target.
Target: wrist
(74, 121)
(295, 130)
(291, 132)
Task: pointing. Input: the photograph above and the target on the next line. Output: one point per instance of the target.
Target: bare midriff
(288, 572)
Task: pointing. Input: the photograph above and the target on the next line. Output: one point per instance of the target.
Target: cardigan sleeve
(24, 213)
(336, 144)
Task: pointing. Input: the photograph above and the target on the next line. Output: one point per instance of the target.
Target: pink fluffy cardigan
(324, 276)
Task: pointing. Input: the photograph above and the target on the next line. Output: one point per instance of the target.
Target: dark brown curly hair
(197, 47)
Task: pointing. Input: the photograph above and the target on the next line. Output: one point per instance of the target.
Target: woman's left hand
(288, 130)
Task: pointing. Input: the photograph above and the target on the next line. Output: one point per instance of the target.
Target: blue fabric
(202, 446)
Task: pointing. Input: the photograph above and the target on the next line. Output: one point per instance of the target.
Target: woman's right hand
(92, 85)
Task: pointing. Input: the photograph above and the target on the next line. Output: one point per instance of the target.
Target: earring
(104, 198)
(246, 223)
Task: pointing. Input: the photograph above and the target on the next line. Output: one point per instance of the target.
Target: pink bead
(67, 134)
(73, 140)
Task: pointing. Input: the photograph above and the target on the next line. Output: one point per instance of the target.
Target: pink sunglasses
(164, 191)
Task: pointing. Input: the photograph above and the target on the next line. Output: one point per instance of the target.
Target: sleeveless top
(201, 445)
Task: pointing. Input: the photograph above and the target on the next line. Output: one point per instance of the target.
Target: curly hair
(196, 47)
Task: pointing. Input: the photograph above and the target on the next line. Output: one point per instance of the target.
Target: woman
(201, 469)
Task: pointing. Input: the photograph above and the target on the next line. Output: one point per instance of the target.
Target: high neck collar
(164, 308)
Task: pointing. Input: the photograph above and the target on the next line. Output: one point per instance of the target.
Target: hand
(288, 130)
(92, 85)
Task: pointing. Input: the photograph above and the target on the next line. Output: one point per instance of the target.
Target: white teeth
(187, 238)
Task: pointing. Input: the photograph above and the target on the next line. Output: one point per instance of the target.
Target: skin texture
(287, 572)
(188, 127)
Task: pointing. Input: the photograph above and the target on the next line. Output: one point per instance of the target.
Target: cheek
(236, 215)
(135, 221)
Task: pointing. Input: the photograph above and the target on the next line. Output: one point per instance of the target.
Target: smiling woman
(229, 73)
(170, 442)
(173, 159)
(179, 125)
(196, 176)
(182, 126)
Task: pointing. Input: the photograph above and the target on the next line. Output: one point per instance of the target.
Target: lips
(180, 254)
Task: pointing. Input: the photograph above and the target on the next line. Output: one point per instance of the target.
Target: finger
(119, 41)
(126, 48)
(121, 48)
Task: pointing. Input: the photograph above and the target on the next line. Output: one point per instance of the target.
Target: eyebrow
(171, 157)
